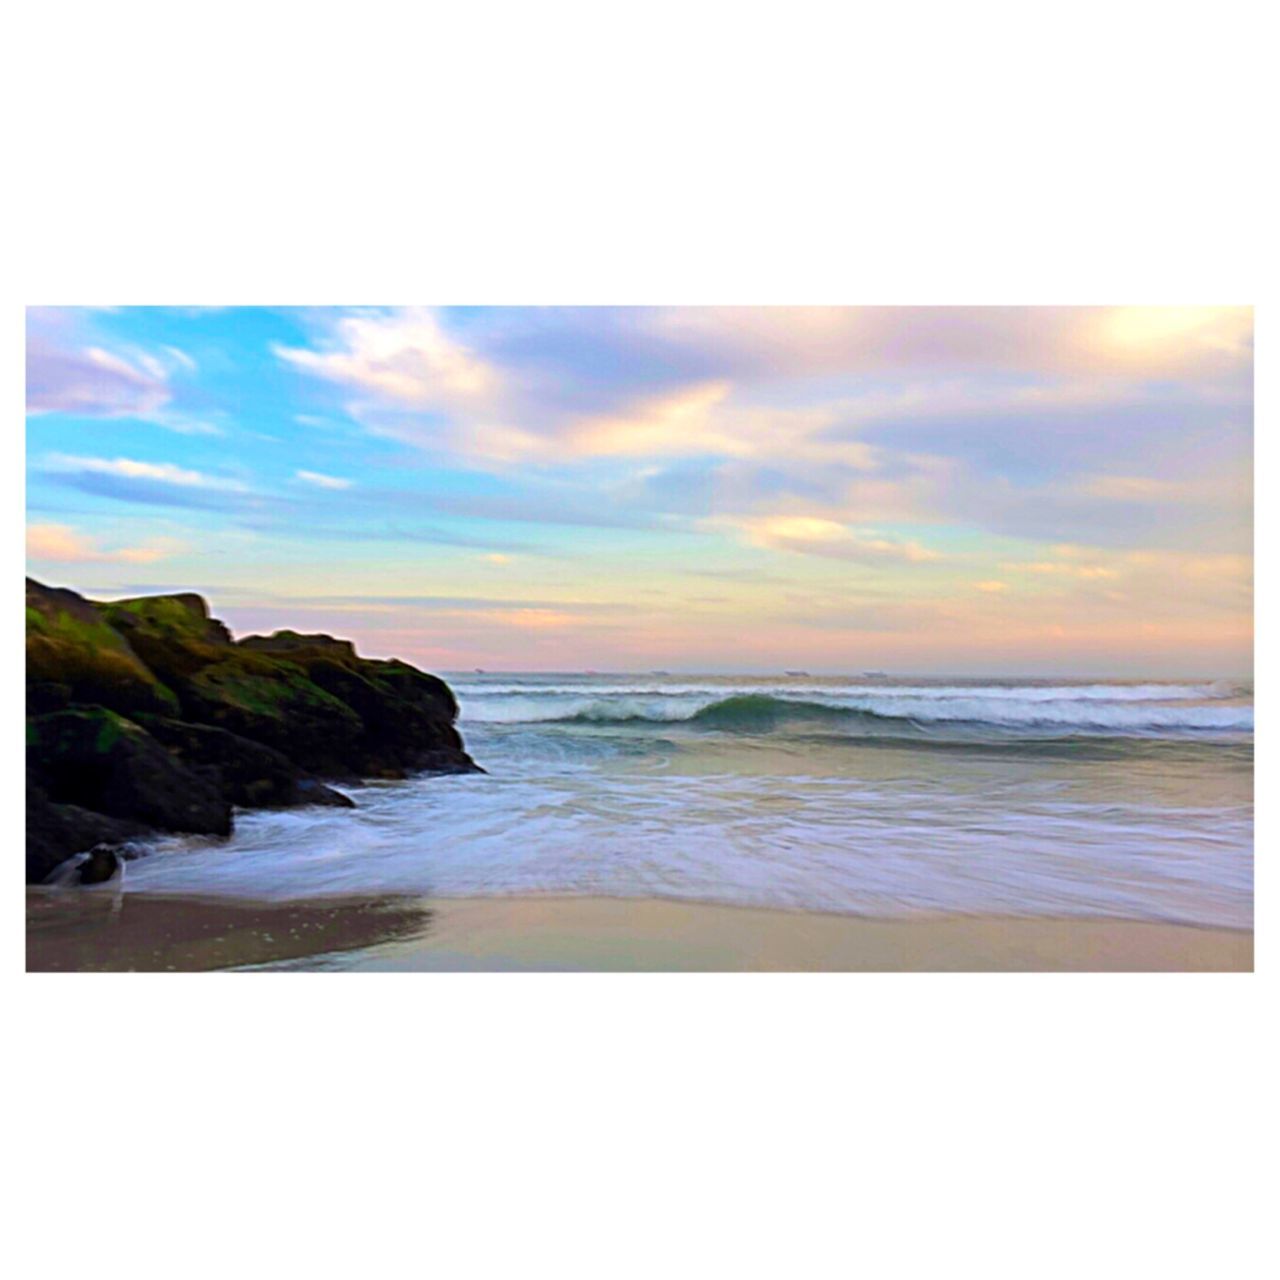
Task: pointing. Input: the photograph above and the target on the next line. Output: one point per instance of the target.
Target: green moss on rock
(69, 644)
(256, 723)
(92, 757)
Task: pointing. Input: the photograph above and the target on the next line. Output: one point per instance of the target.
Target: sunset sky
(950, 490)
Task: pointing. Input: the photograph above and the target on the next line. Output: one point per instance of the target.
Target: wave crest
(890, 712)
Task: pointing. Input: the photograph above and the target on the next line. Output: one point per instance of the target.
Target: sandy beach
(152, 933)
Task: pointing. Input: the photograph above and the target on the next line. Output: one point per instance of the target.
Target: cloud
(1086, 572)
(817, 536)
(167, 473)
(1024, 422)
(163, 484)
(405, 356)
(533, 619)
(544, 385)
(555, 504)
(1144, 585)
(1036, 432)
(1136, 489)
(92, 382)
(279, 518)
(1213, 515)
(595, 353)
(70, 371)
(455, 604)
(1176, 333)
(1144, 341)
(183, 424)
(955, 451)
(182, 358)
(671, 424)
(62, 544)
(659, 427)
(321, 481)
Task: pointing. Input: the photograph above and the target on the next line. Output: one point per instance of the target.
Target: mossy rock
(95, 759)
(274, 703)
(255, 695)
(307, 696)
(298, 645)
(412, 685)
(392, 678)
(248, 773)
(71, 645)
(184, 615)
(173, 635)
(399, 733)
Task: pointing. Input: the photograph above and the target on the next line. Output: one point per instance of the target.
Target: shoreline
(96, 930)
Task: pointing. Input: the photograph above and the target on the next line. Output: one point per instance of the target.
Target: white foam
(785, 819)
(1038, 837)
(1025, 708)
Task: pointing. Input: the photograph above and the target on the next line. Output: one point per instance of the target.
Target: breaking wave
(875, 797)
(1134, 711)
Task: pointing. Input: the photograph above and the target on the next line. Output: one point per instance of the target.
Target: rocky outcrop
(94, 758)
(55, 832)
(245, 772)
(146, 715)
(231, 687)
(75, 655)
(405, 716)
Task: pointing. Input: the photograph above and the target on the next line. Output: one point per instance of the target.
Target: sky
(949, 490)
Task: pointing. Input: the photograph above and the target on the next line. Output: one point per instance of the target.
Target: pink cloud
(61, 544)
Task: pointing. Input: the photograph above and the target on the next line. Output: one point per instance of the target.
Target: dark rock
(96, 759)
(56, 832)
(47, 695)
(274, 702)
(307, 696)
(101, 864)
(261, 697)
(71, 647)
(406, 716)
(293, 641)
(247, 773)
(173, 635)
(313, 791)
(145, 712)
(182, 614)
(397, 732)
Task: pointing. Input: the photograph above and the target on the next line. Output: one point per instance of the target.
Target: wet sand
(100, 930)
(97, 930)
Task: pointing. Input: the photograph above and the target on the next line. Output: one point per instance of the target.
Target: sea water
(863, 795)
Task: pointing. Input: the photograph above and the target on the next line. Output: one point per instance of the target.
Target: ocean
(865, 795)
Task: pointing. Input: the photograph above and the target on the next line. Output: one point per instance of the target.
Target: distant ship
(659, 673)
(795, 673)
(479, 671)
(874, 675)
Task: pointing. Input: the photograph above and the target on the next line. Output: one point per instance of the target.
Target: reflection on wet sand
(95, 929)
(104, 931)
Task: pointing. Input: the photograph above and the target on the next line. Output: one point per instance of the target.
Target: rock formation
(145, 715)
